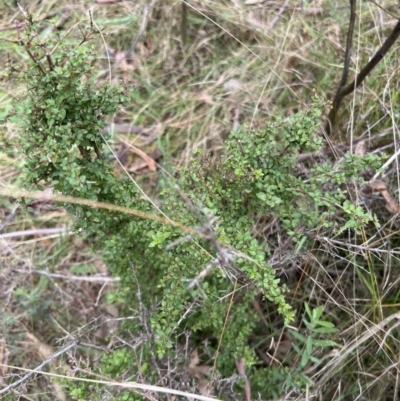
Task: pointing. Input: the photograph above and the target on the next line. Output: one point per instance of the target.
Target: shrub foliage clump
(202, 273)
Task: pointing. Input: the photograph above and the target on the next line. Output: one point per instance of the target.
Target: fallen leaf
(360, 148)
(391, 203)
(205, 97)
(151, 164)
(194, 359)
(199, 372)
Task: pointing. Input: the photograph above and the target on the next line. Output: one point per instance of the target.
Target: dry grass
(197, 79)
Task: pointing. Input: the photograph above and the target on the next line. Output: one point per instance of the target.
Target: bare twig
(41, 231)
(241, 368)
(385, 10)
(343, 91)
(9, 218)
(373, 62)
(142, 28)
(363, 247)
(184, 19)
(23, 379)
(12, 27)
(349, 45)
(224, 258)
(129, 385)
(387, 163)
(92, 279)
(14, 192)
(203, 274)
(278, 15)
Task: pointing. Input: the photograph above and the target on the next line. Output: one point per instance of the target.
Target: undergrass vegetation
(187, 222)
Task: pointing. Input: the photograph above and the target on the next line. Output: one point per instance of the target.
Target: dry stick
(385, 10)
(349, 45)
(23, 379)
(278, 15)
(92, 279)
(387, 164)
(142, 28)
(42, 231)
(9, 218)
(241, 368)
(129, 54)
(11, 27)
(128, 385)
(373, 62)
(13, 192)
(344, 91)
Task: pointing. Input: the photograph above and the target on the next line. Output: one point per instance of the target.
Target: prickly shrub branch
(207, 280)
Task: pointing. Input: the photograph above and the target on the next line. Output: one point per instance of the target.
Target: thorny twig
(224, 257)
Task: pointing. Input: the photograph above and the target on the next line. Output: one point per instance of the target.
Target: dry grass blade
(338, 360)
(127, 385)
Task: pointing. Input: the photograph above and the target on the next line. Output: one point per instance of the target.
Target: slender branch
(142, 28)
(373, 62)
(14, 192)
(346, 90)
(42, 231)
(70, 277)
(9, 218)
(385, 10)
(349, 46)
(36, 62)
(184, 24)
(278, 15)
(128, 385)
(23, 379)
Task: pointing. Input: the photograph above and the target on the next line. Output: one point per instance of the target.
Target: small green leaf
(324, 323)
(309, 345)
(298, 335)
(304, 359)
(325, 343)
(308, 310)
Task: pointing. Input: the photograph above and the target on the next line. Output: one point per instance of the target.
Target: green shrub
(203, 281)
